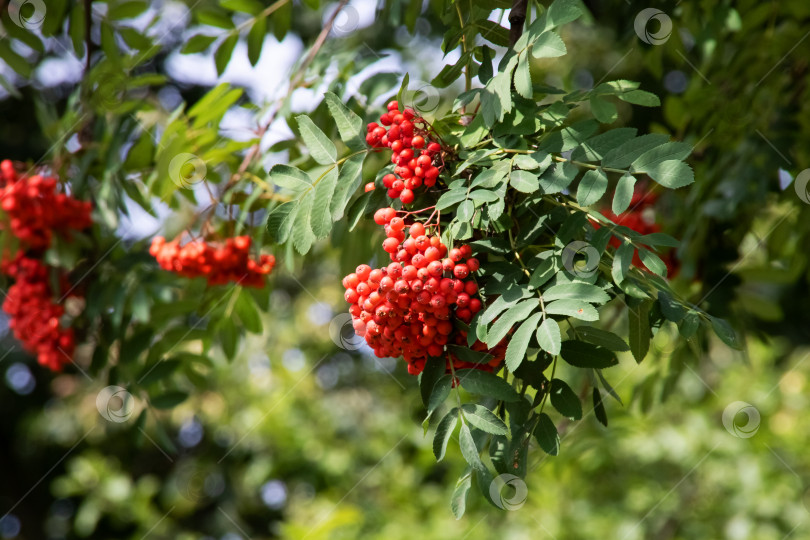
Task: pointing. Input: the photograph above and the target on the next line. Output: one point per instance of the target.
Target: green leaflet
(350, 126)
(548, 337)
(546, 435)
(516, 350)
(321, 218)
(591, 188)
(576, 291)
(443, 433)
(320, 147)
(482, 418)
(623, 194)
(565, 400)
(506, 321)
(486, 384)
(586, 355)
(638, 319)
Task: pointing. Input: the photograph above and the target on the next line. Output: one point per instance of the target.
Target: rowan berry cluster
(408, 308)
(641, 218)
(413, 152)
(218, 263)
(33, 211)
(35, 317)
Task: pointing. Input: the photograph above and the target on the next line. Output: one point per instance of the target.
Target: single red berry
(363, 272)
(391, 245)
(461, 271)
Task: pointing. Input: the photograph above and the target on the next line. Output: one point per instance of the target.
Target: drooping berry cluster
(640, 217)
(33, 212)
(35, 209)
(218, 263)
(414, 154)
(408, 307)
(35, 317)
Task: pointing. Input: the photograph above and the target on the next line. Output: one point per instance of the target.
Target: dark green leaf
(255, 39)
(628, 152)
(434, 369)
(621, 261)
(653, 262)
(485, 383)
(604, 111)
(689, 325)
(599, 407)
(158, 371)
(223, 53)
(565, 400)
(602, 338)
(441, 389)
(168, 400)
(647, 161)
(558, 177)
(546, 434)
(586, 355)
(245, 308)
(251, 7)
(640, 97)
(126, 10)
(638, 317)
(725, 332)
(658, 239)
(465, 354)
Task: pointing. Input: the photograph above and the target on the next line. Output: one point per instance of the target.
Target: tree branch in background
(294, 83)
(516, 19)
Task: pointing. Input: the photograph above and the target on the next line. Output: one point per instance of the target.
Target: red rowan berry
(461, 271)
(363, 272)
(416, 230)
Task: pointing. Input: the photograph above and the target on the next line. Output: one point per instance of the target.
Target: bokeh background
(305, 435)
